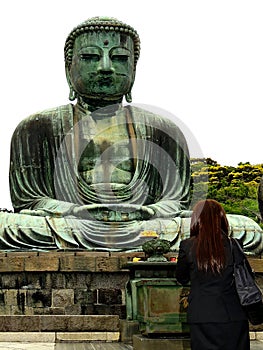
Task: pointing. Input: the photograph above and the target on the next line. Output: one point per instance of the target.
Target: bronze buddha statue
(98, 174)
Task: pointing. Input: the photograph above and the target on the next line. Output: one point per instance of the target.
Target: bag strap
(239, 256)
(236, 250)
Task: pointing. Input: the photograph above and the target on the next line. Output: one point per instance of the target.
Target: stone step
(58, 337)
(143, 343)
(59, 323)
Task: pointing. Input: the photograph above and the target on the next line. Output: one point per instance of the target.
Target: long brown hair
(208, 224)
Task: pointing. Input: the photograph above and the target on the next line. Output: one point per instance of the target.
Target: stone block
(87, 309)
(42, 263)
(92, 254)
(32, 281)
(87, 337)
(62, 297)
(29, 311)
(81, 336)
(53, 311)
(113, 336)
(77, 323)
(54, 323)
(10, 296)
(109, 280)
(128, 256)
(30, 337)
(124, 258)
(102, 309)
(15, 310)
(111, 264)
(12, 280)
(77, 280)
(259, 336)
(54, 254)
(21, 254)
(21, 300)
(22, 280)
(56, 280)
(85, 296)
(39, 298)
(38, 310)
(12, 263)
(109, 296)
(5, 310)
(73, 310)
(17, 323)
(77, 263)
(128, 329)
(94, 323)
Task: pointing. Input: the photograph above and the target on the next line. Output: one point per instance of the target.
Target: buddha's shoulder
(156, 118)
(46, 116)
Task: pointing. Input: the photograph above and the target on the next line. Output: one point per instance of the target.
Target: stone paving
(255, 345)
(65, 346)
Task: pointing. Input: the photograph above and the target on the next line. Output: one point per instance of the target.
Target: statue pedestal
(80, 295)
(159, 304)
(62, 295)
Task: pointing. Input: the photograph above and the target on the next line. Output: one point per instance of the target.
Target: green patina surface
(97, 174)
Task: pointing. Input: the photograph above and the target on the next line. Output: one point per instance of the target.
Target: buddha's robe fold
(44, 178)
(45, 184)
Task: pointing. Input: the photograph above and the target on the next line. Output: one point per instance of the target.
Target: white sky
(201, 60)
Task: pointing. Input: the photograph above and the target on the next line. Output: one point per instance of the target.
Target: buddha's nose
(105, 66)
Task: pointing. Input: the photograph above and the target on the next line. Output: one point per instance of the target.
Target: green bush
(236, 188)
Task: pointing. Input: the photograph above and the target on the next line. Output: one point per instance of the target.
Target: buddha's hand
(147, 211)
(41, 212)
(184, 214)
(113, 212)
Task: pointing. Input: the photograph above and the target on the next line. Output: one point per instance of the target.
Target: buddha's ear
(72, 92)
(128, 96)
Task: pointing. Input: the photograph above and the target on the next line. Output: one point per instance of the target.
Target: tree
(236, 188)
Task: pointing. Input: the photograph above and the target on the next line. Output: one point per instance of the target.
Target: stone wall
(66, 285)
(63, 283)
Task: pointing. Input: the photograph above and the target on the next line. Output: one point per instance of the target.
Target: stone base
(63, 283)
(59, 323)
(128, 329)
(58, 337)
(141, 342)
(145, 343)
(71, 294)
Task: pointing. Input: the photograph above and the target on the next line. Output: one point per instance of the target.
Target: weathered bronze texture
(97, 174)
(155, 249)
(260, 198)
(155, 299)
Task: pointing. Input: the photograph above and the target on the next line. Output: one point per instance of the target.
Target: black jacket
(213, 298)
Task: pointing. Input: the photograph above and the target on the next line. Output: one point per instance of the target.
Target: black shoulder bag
(249, 293)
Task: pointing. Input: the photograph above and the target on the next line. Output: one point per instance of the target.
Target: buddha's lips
(105, 80)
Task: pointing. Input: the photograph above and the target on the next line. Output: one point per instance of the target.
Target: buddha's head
(101, 56)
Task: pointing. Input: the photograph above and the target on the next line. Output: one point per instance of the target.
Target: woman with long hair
(216, 318)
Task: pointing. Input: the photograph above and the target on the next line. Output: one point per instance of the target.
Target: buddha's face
(102, 65)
